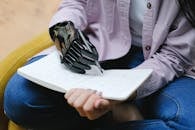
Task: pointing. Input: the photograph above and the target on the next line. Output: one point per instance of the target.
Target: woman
(137, 34)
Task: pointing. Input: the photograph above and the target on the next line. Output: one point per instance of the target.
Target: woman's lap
(173, 104)
(30, 105)
(171, 108)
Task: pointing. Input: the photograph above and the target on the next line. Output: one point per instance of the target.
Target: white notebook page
(114, 84)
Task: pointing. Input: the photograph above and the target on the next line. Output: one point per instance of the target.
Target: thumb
(102, 103)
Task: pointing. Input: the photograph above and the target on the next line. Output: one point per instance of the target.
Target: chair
(9, 65)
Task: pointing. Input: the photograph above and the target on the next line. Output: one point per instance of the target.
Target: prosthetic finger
(76, 63)
(79, 58)
(84, 51)
(74, 69)
(89, 55)
(82, 55)
(94, 51)
(69, 64)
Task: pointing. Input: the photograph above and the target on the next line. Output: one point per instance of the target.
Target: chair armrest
(17, 58)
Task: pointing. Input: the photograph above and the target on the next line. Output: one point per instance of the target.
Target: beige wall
(20, 20)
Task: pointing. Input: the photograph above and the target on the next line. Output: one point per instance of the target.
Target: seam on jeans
(157, 121)
(29, 105)
(177, 104)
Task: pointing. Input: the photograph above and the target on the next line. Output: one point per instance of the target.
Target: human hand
(74, 53)
(89, 103)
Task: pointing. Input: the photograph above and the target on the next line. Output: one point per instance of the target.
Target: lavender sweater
(168, 39)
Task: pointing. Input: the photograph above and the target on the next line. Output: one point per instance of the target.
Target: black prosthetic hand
(76, 51)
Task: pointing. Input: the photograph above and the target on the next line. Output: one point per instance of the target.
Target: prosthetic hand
(76, 51)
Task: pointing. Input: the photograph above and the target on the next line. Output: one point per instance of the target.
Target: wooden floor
(20, 20)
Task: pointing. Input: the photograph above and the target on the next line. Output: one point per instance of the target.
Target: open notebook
(114, 84)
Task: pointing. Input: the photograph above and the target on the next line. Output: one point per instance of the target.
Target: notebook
(116, 84)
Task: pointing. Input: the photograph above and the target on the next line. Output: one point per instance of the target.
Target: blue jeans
(33, 106)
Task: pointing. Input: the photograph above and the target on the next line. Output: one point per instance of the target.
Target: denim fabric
(33, 106)
(171, 108)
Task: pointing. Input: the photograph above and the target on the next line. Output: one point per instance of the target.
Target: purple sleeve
(172, 60)
(71, 10)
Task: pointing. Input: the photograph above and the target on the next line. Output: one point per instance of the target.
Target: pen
(88, 47)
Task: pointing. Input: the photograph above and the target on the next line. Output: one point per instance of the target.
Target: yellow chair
(9, 65)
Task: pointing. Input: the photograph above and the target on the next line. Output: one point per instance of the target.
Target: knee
(161, 106)
(17, 107)
(23, 104)
(177, 110)
(173, 105)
